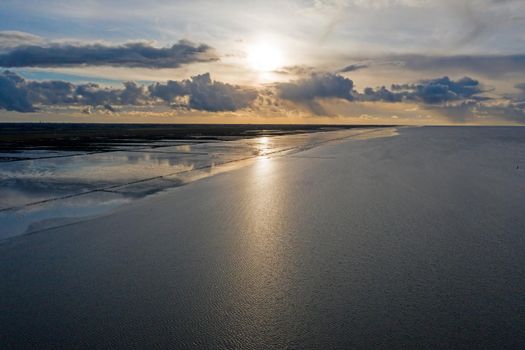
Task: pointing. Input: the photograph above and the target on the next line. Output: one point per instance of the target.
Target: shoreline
(92, 200)
(103, 137)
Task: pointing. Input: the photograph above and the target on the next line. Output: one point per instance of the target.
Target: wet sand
(41, 188)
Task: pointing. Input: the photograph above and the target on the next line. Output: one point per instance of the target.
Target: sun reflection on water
(263, 145)
(259, 256)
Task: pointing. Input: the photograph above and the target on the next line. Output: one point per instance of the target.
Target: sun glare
(264, 58)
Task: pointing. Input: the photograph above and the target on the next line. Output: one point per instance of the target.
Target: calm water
(413, 241)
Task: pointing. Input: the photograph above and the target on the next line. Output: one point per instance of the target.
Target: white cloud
(13, 38)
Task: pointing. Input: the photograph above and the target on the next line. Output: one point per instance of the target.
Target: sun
(264, 58)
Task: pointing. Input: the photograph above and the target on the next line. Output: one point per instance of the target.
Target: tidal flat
(52, 174)
(413, 239)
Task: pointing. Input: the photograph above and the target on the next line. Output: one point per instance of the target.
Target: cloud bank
(458, 100)
(431, 91)
(205, 94)
(434, 91)
(135, 55)
(201, 93)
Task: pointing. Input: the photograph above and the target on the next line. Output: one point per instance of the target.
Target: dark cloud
(444, 89)
(308, 91)
(203, 94)
(381, 94)
(212, 96)
(439, 91)
(50, 92)
(128, 55)
(353, 68)
(318, 85)
(95, 95)
(133, 94)
(13, 96)
(458, 100)
(169, 91)
(432, 91)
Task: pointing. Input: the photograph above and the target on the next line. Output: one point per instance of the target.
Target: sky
(263, 61)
